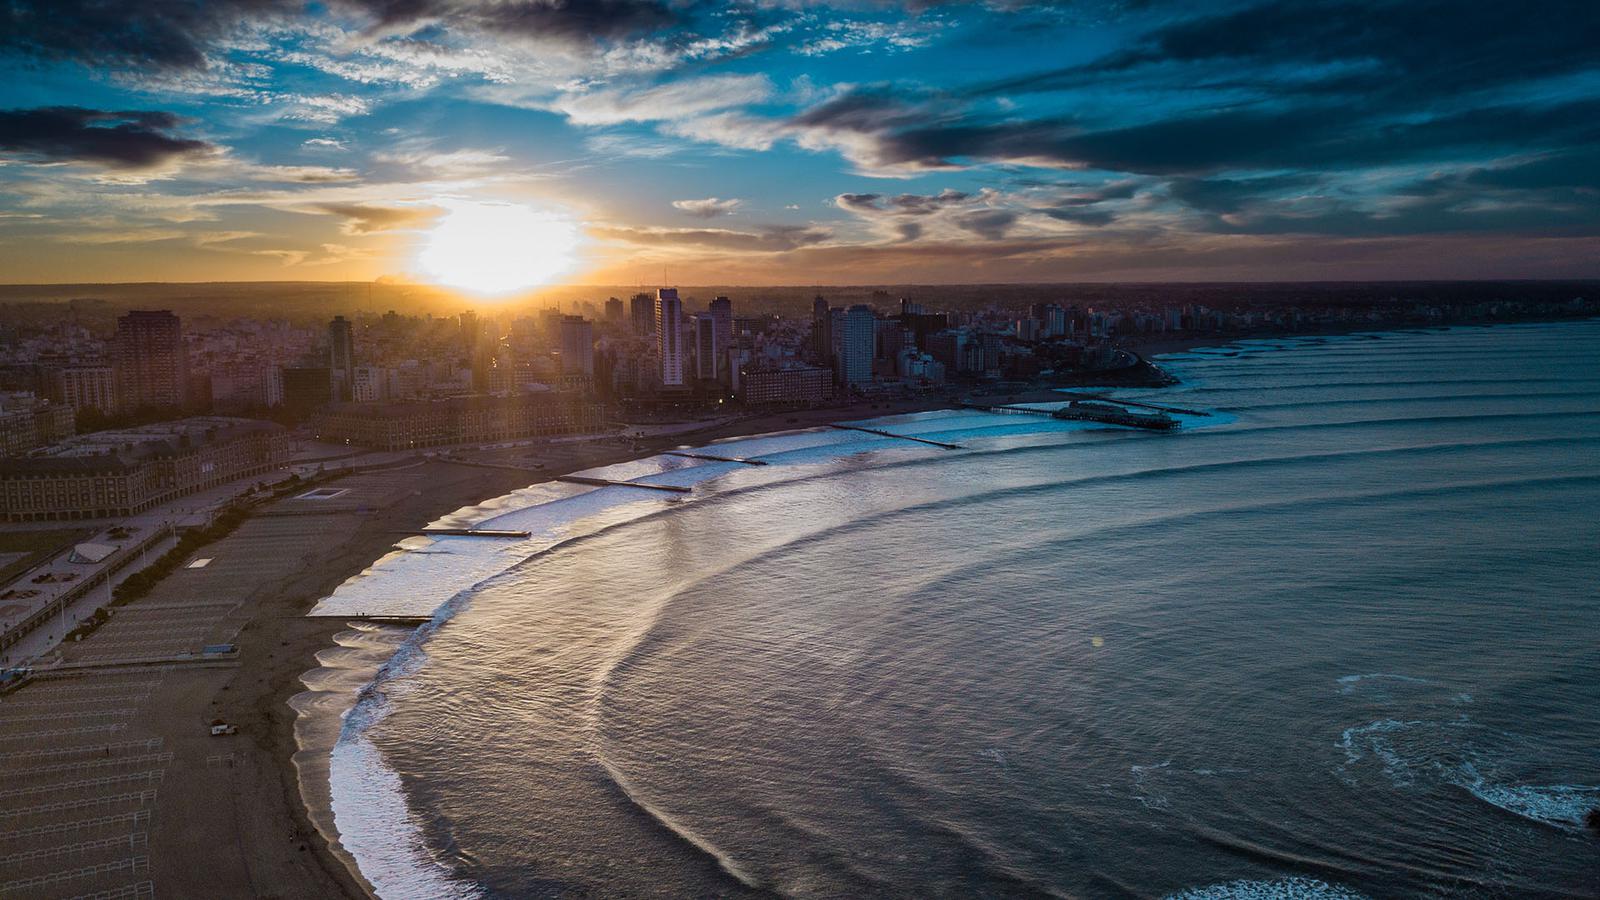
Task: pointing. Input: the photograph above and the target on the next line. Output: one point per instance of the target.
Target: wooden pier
(889, 434)
(606, 482)
(732, 459)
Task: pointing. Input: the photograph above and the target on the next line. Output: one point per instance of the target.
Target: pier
(732, 459)
(889, 434)
(470, 532)
(382, 620)
(606, 482)
(1166, 409)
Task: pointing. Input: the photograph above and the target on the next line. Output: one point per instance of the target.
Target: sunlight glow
(495, 248)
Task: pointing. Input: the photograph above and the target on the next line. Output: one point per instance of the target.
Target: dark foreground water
(1342, 639)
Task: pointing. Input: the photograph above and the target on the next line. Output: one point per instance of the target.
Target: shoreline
(314, 761)
(304, 734)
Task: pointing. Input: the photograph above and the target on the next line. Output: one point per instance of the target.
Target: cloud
(159, 33)
(323, 144)
(768, 239)
(366, 218)
(682, 99)
(562, 20)
(709, 208)
(128, 140)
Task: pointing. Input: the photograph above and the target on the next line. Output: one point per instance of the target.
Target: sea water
(1340, 638)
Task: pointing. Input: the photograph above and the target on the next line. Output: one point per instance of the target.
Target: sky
(801, 141)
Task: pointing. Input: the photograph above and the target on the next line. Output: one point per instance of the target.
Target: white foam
(1293, 888)
(368, 799)
(1560, 805)
(369, 808)
(1349, 683)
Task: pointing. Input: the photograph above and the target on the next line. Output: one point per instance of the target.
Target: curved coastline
(369, 659)
(352, 673)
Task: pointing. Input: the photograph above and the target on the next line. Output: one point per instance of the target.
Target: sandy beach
(148, 798)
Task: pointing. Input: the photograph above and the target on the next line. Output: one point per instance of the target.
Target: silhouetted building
(341, 357)
(704, 335)
(722, 313)
(643, 308)
(614, 311)
(148, 355)
(577, 346)
(306, 388)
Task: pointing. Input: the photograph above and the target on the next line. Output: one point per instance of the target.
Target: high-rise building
(705, 328)
(722, 314)
(821, 332)
(369, 384)
(577, 346)
(341, 357)
(643, 314)
(151, 369)
(85, 386)
(852, 333)
(669, 336)
(614, 311)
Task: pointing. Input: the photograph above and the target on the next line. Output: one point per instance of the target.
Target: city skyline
(639, 141)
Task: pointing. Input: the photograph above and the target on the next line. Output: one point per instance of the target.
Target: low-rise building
(127, 471)
(27, 422)
(458, 420)
(793, 385)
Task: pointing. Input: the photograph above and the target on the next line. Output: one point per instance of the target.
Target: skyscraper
(614, 311)
(705, 333)
(577, 346)
(821, 331)
(148, 355)
(852, 333)
(669, 336)
(341, 357)
(644, 314)
(722, 314)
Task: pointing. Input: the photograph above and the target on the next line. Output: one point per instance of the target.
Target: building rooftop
(141, 441)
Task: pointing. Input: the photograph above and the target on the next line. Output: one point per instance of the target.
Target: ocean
(1341, 638)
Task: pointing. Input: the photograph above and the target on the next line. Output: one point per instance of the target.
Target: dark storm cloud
(161, 33)
(121, 140)
(911, 133)
(1396, 47)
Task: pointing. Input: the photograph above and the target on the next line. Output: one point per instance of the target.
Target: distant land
(315, 300)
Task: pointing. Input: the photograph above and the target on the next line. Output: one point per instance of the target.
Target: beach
(226, 816)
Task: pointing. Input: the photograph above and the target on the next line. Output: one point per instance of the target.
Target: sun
(495, 248)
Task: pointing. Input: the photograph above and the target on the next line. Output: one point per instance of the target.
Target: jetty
(469, 532)
(707, 456)
(380, 619)
(1166, 409)
(889, 434)
(1103, 412)
(607, 482)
